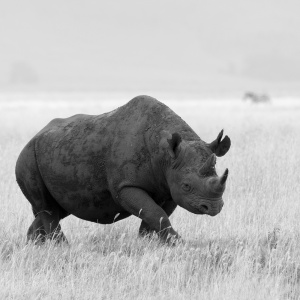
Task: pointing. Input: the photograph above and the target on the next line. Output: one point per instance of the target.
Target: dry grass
(249, 251)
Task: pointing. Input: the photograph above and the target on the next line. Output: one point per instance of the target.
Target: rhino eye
(186, 187)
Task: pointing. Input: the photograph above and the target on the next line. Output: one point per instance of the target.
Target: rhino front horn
(224, 177)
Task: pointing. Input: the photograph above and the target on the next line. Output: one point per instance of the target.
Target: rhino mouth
(208, 207)
(212, 213)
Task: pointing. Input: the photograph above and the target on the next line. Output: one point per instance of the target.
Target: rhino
(140, 159)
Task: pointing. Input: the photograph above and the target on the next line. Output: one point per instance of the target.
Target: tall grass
(249, 251)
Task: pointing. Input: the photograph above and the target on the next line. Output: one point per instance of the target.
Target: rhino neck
(162, 165)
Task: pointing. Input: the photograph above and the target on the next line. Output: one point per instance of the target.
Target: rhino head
(191, 175)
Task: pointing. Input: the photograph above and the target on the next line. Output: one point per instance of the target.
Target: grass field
(251, 250)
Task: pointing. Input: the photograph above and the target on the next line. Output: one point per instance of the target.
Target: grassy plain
(251, 250)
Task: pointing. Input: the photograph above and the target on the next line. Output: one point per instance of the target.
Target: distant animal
(257, 98)
(141, 159)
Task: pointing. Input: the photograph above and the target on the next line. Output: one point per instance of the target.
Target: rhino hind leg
(38, 234)
(46, 223)
(36, 231)
(51, 227)
(46, 210)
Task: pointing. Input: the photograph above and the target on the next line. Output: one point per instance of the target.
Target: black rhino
(141, 159)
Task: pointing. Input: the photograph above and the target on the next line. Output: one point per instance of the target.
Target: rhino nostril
(204, 207)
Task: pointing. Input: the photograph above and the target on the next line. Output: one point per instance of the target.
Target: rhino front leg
(168, 207)
(139, 203)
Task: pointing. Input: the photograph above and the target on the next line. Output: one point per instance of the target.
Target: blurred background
(191, 48)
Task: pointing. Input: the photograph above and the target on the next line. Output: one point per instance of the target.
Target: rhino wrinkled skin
(141, 159)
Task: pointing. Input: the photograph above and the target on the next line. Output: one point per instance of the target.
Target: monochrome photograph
(149, 150)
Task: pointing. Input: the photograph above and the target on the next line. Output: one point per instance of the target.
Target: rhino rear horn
(219, 146)
(210, 162)
(174, 143)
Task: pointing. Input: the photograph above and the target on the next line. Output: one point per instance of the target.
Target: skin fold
(140, 159)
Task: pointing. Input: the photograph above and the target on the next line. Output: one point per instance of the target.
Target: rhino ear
(174, 143)
(219, 146)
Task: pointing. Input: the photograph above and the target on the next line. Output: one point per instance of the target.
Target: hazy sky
(163, 44)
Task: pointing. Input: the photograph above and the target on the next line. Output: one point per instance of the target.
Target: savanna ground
(251, 250)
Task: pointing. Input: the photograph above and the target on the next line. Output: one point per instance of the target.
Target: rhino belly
(84, 198)
(93, 206)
